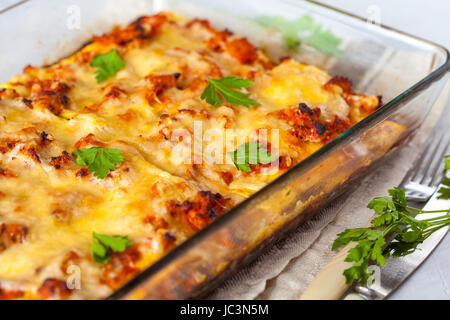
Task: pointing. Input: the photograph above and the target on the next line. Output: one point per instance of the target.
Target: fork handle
(329, 284)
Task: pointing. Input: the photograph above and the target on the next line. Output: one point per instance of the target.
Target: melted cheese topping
(49, 205)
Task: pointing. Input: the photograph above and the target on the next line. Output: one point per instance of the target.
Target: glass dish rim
(368, 122)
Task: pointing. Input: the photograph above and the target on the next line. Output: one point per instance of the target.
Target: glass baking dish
(409, 72)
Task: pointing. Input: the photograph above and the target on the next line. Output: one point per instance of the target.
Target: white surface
(424, 18)
(7, 3)
(429, 20)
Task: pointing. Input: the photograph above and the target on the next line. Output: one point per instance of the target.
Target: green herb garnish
(303, 29)
(444, 192)
(107, 65)
(103, 244)
(394, 219)
(225, 88)
(250, 153)
(447, 162)
(99, 160)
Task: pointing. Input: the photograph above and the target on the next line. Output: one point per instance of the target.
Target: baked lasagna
(115, 155)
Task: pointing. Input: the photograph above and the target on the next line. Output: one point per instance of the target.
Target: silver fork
(422, 180)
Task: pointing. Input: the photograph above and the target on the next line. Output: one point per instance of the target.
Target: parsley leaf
(115, 243)
(394, 219)
(225, 87)
(99, 253)
(444, 192)
(99, 160)
(381, 204)
(303, 29)
(347, 236)
(399, 197)
(250, 153)
(324, 41)
(107, 64)
(102, 244)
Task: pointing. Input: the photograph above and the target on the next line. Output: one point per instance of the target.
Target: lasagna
(115, 155)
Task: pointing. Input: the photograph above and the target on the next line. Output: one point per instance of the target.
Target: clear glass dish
(409, 72)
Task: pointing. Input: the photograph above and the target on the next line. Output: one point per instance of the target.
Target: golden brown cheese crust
(50, 205)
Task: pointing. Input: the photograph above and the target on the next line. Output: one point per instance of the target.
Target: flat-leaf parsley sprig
(444, 192)
(102, 245)
(394, 219)
(226, 88)
(99, 160)
(250, 153)
(303, 29)
(107, 64)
